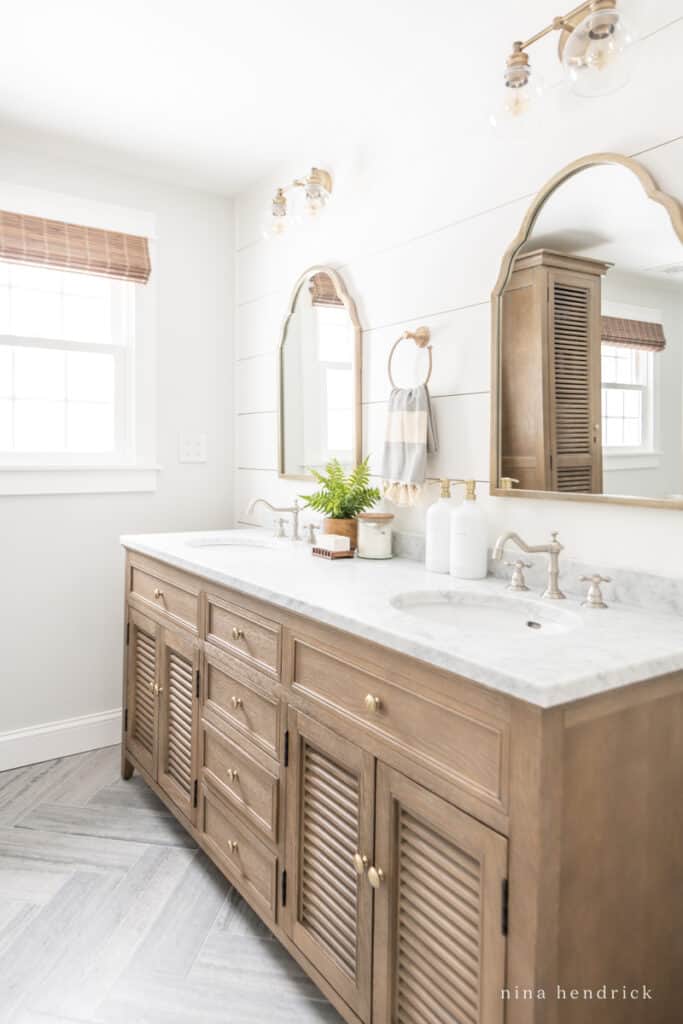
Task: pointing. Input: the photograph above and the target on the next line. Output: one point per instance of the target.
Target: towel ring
(421, 338)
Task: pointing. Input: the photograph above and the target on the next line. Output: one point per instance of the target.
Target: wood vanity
(417, 841)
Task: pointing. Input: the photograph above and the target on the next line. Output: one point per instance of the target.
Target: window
(66, 354)
(627, 397)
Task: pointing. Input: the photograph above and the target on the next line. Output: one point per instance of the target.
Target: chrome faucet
(552, 549)
(295, 509)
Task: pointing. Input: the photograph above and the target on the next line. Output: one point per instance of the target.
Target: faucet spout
(295, 509)
(552, 549)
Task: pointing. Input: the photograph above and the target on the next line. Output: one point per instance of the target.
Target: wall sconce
(317, 188)
(592, 48)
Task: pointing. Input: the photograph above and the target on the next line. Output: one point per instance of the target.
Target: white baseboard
(59, 739)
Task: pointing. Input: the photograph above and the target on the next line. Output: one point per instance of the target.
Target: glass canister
(374, 535)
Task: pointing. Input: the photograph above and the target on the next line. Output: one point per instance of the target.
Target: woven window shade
(51, 243)
(616, 330)
(323, 291)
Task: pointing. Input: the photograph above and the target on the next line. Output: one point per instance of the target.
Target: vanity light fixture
(317, 188)
(593, 44)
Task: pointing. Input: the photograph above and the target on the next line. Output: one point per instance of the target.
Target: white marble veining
(601, 651)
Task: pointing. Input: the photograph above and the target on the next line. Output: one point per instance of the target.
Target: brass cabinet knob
(232, 846)
(360, 862)
(375, 877)
(373, 703)
(236, 702)
(158, 593)
(158, 689)
(233, 774)
(237, 633)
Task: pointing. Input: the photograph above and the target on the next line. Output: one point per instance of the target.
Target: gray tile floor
(110, 915)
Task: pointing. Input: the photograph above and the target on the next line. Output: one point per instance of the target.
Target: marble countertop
(575, 652)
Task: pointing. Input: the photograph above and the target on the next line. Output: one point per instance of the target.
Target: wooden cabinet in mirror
(587, 387)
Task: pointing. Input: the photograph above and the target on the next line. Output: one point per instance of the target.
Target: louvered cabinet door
(330, 809)
(574, 368)
(178, 720)
(141, 683)
(439, 948)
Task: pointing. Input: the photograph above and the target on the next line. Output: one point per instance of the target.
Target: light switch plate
(192, 448)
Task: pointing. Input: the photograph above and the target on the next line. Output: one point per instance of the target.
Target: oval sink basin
(229, 542)
(487, 614)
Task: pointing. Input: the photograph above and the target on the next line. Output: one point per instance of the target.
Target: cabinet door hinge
(286, 755)
(284, 888)
(194, 794)
(504, 907)
(125, 720)
(196, 676)
(127, 633)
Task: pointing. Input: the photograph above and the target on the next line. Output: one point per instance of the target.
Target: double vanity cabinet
(430, 850)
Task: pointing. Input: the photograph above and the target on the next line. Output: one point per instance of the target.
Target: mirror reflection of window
(318, 380)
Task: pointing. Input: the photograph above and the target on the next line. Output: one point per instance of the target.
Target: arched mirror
(588, 342)
(319, 377)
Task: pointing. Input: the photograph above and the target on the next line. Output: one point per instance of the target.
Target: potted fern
(341, 497)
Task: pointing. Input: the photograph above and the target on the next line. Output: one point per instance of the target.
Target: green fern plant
(342, 496)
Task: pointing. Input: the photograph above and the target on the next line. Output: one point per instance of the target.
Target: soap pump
(437, 531)
(468, 537)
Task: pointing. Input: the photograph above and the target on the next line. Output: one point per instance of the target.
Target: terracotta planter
(342, 528)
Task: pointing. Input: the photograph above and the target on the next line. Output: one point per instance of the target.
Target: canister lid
(375, 516)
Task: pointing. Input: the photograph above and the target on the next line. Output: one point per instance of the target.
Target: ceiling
(217, 93)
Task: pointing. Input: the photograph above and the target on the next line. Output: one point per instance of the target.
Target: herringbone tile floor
(110, 915)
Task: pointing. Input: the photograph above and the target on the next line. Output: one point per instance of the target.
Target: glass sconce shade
(521, 92)
(597, 55)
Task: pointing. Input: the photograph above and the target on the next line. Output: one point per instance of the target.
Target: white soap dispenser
(438, 531)
(469, 537)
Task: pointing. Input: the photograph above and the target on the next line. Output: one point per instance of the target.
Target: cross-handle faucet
(552, 549)
(295, 509)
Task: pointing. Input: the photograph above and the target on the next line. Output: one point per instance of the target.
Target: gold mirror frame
(350, 307)
(675, 212)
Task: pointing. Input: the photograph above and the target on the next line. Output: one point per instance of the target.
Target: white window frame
(648, 454)
(134, 467)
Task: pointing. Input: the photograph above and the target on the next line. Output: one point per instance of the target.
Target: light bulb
(316, 198)
(596, 56)
(278, 218)
(522, 90)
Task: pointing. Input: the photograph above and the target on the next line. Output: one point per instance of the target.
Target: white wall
(61, 566)
(418, 234)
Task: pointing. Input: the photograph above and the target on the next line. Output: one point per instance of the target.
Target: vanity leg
(126, 766)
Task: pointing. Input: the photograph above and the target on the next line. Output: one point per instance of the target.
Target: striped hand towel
(410, 437)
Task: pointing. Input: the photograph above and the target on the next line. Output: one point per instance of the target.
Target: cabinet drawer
(239, 853)
(241, 780)
(178, 603)
(239, 694)
(244, 633)
(441, 733)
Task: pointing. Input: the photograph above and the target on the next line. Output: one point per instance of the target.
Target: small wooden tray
(324, 553)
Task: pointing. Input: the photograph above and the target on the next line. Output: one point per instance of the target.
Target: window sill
(34, 480)
(615, 460)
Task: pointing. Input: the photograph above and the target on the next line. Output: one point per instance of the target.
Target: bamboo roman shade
(52, 243)
(323, 291)
(617, 330)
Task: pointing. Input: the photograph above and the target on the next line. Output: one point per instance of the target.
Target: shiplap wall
(418, 232)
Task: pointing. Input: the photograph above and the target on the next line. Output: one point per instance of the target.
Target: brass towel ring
(421, 338)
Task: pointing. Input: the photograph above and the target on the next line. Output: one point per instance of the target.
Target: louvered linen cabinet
(429, 850)
(551, 433)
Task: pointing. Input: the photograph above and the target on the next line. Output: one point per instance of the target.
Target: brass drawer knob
(375, 877)
(158, 593)
(237, 633)
(372, 703)
(158, 689)
(233, 774)
(232, 846)
(360, 863)
(236, 702)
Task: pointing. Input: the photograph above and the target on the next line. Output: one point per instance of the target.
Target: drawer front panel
(244, 633)
(239, 694)
(441, 735)
(241, 855)
(181, 605)
(241, 780)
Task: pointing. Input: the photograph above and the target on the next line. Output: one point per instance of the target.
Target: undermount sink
(229, 542)
(490, 614)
